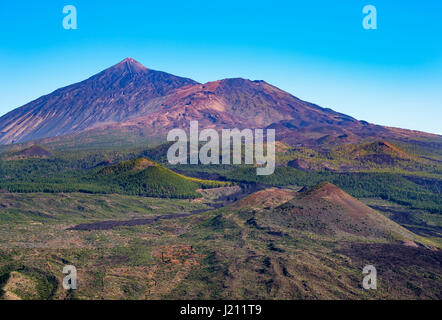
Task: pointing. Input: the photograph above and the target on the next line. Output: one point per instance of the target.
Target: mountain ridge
(133, 97)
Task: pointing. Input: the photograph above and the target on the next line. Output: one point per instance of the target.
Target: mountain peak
(111, 96)
(130, 60)
(323, 188)
(129, 94)
(131, 64)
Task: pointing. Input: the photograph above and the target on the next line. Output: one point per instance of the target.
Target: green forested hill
(145, 177)
(134, 177)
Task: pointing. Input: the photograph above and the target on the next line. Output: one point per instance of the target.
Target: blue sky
(317, 50)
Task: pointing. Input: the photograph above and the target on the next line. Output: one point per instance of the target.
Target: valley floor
(221, 250)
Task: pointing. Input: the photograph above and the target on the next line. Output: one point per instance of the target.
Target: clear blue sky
(316, 50)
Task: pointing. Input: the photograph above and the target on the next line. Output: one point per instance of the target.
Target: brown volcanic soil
(243, 103)
(32, 152)
(268, 198)
(327, 209)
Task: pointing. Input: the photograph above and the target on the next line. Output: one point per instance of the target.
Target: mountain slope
(326, 209)
(238, 102)
(141, 103)
(34, 151)
(365, 156)
(112, 95)
(243, 103)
